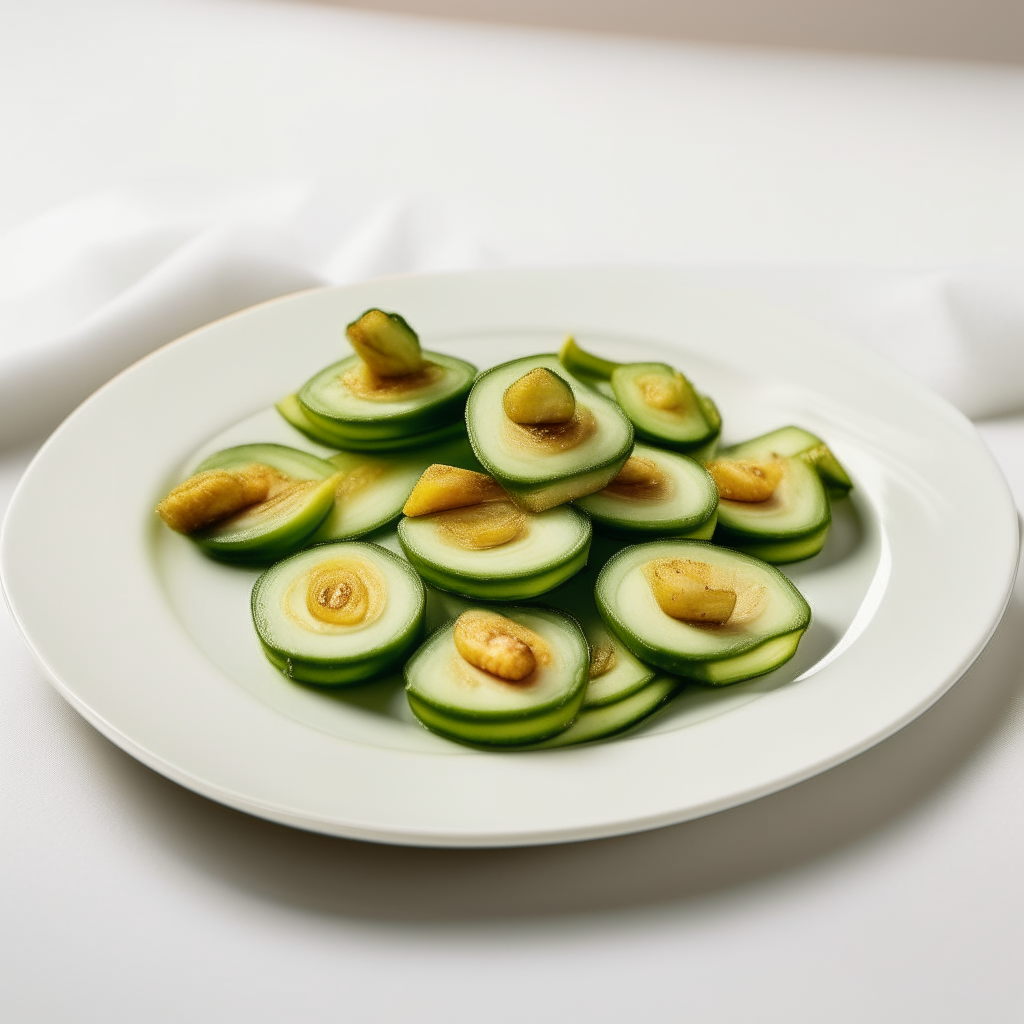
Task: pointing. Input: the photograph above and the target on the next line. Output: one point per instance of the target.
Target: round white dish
(152, 643)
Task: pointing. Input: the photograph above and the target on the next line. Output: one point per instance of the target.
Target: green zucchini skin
(258, 537)
(712, 654)
(330, 406)
(325, 434)
(583, 364)
(342, 660)
(696, 429)
(292, 462)
(760, 661)
(608, 720)
(443, 707)
(628, 675)
(782, 552)
(795, 442)
(485, 580)
(541, 482)
(789, 526)
(688, 511)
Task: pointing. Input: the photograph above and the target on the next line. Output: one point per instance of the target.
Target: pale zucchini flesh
(692, 425)
(768, 607)
(372, 489)
(535, 478)
(329, 402)
(553, 547)
(308, 650)
(460, 701)
(790, 525)
(684, 505)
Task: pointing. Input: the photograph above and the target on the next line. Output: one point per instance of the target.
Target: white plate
(152, 643)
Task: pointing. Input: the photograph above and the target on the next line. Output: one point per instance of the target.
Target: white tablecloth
(888, 889)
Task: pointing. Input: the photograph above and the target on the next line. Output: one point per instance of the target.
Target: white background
(888, 889)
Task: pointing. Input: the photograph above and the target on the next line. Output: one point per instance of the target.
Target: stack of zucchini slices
(388, 395)
(598, 573)
(775, 495)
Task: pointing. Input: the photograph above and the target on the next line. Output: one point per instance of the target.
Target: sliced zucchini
(503, 678)
(776, 509)
(732, 616)
(598, 723)
(254, 503)
(338, 613)
(614, 672)
(664, 407)
(657, 493)
(792, 442)
(662, 404)
(545, 464)
(324, 433)
(495, 550)
(387, 393)
(334, 400)
(372, 489)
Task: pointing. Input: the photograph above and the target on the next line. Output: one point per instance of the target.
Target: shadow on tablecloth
(786, 832)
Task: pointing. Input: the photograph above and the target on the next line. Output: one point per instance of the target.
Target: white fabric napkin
(960, 330)
(90, 287)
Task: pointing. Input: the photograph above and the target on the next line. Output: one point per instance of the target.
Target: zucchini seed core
(602, 660)
(745, 480)
(640, 479)
(481, 526)
(683, 590)
(358, 479)
(362, 382)
(663, 391)
(498, 646)
(551, 438)
(345, 592)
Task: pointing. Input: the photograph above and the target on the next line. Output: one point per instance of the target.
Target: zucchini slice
(793, 442)
(662, 404)
(272, 521)
(614, 672)
(338, 613)
(657, 493)
(451, 694)
(373, 488)
(546, 465)
(665, 408)
(327, 434)
(788, 526)
(761, 632)
(598, 723)
(465, 550)
(337, 400)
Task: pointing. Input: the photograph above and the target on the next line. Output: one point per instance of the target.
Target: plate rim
(419, 835)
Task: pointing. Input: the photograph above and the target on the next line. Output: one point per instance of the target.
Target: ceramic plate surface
(152, 643)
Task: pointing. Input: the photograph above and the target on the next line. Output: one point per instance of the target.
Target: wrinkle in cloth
(92, 286)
